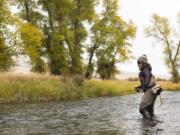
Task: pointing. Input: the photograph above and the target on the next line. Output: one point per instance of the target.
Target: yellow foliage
(31, 38)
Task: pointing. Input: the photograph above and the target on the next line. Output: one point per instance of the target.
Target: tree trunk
(49, 15)
(175, 74)
(53, 64)
(27, 11)
(76, 65)
(89, 69)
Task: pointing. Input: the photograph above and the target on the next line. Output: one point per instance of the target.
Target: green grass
(42, 88)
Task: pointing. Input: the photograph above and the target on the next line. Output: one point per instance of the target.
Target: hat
(143, 59)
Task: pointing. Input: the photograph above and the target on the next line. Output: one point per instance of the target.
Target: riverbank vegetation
(71, 38)
(54, 36)
(42, 88)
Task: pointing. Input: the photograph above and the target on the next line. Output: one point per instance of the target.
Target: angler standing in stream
(148, 86)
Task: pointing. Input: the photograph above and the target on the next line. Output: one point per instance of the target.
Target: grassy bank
(41, 88)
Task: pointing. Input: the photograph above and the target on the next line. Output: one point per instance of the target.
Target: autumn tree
(161, 30)
(6, 49)
(109, 41)
(30, 31)
(57, 32)
(31, 39)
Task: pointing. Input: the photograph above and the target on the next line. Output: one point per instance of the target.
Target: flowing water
(98, 116)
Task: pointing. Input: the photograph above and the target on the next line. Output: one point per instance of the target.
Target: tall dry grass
(40, 88)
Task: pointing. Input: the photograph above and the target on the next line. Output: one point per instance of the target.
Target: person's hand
(137, 89)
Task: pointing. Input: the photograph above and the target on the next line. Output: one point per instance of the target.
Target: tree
(28, 11)
(110, 41)
(6, 60)
(31, 44)
(160, 30)
(54, 29)
(76, 35)
(6, 52)
(66, 19)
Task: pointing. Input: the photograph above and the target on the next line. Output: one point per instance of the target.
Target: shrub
(133, 79)
(78, 80)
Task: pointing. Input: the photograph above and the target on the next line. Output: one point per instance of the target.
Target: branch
(168, 45)
(8, 47)
(177, 52)
(155, 36)
(68, 42)
(165, 39)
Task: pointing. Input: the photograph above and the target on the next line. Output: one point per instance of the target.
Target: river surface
(98, 116)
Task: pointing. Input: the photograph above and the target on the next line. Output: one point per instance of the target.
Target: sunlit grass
(41, 88)
(170, 86)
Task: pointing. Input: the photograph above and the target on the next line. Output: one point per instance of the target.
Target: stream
(97, 116)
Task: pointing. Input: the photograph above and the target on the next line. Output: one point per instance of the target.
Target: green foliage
(6, 60)
(65, 18)
(57, 31)
(39, 66)
(110, 38)
(106, 69)
(78, 80)
(54, 30)
(28, 10)
(58, 56)
(6, 54)
(82, 11)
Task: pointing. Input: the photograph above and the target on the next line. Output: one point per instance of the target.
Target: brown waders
(147, 104)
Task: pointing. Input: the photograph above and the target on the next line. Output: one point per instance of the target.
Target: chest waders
(148, 99)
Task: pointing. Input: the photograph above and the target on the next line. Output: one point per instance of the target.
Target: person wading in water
(147, 81)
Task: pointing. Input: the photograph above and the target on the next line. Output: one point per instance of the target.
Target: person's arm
(138, 88)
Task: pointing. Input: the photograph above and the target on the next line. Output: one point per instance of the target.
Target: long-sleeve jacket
(146, 78)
